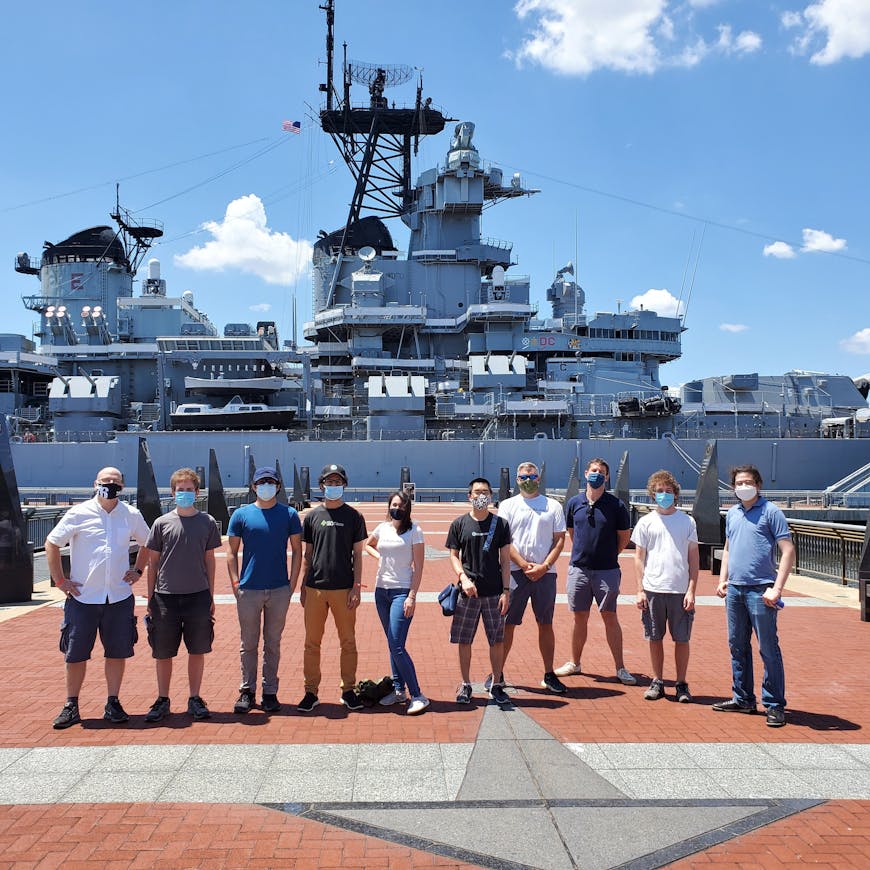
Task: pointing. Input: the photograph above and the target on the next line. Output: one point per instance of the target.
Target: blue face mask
(595, 479)
(333, 493)
(185, 499)
(665, 500)
(266, 491)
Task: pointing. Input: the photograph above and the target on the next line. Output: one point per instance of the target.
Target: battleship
(428, 356)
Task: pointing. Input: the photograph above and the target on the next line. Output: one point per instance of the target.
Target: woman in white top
(398, 546)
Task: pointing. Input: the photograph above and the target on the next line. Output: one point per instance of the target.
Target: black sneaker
(308, 703)
(499, 695)
(684, 696)
(775, 717)
(197, 708)
(734, 707)
(351, 700)
(463, 696)
(487, 683)
(655, 691)
(159, 709)
(245, 702)
(69, 715)
(114, 712)
(270, 703)
(553, 684)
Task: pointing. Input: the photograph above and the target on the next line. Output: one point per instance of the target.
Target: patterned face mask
(109, 490)
(479, 502)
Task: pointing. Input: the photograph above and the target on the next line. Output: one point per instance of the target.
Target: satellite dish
(367, 254)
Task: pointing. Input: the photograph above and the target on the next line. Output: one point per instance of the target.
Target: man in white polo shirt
(537, 526)
(98, 590)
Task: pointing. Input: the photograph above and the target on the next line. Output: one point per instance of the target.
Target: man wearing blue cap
(264, 588)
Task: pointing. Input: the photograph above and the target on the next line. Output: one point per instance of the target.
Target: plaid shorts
(468, 614)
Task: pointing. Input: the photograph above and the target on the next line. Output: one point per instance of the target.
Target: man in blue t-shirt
(264, 588)
(752, 584)
(599, 528)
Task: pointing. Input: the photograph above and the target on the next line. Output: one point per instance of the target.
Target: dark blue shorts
(172, 617)
(116, 624)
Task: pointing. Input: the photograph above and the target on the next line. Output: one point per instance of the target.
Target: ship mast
(375, 140)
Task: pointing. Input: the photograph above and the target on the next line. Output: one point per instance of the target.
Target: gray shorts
(666, 609)
(468, 614)
(542, 593)
(116, 624)
(172, 617)
(584, 584)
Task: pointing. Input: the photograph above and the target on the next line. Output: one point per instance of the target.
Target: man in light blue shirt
(752, 584)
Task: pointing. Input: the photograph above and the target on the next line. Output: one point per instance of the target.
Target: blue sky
(725, 134)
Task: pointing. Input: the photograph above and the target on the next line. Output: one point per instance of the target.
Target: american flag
(291, 126)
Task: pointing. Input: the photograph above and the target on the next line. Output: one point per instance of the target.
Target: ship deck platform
(597, 778)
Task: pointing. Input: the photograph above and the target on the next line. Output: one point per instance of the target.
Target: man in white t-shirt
(666, 566)
(537, 526)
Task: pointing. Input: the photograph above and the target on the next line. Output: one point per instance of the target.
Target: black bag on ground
(370, 692)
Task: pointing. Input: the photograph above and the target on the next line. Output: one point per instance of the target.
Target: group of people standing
(502, 562)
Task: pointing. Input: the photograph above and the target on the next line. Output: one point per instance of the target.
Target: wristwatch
(138, 571)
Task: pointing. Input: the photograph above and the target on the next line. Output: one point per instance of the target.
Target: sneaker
(245, 702)
(655, 691)
(487, 683)
(684, 696)
(308, 703)
(463, 696)
(553, 684)
(731, 706)
(351, 700)
(159, 709)
(197, 708)
(569, 669)
(114, 712)
(499, 695)
(418, 704)
(626, 678)
(270, 703)
(395, 697)
(775, 717)
(68, 715)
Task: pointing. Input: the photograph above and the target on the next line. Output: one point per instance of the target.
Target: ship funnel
(154, 269)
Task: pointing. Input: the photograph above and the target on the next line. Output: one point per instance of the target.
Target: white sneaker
(626, 678)
(418, 704)
(393, 698)
(569, 669)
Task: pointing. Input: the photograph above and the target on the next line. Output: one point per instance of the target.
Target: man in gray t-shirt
(181, 592)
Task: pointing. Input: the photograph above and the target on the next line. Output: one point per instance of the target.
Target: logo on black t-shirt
(331, 523)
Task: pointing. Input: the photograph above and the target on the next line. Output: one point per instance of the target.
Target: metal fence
(829, 551)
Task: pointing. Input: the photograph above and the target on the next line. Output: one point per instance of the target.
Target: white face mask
(479, 502)
(745, 491)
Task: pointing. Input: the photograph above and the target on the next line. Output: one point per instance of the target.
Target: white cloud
(780, 250)
(661, 301)
(733, 327)
(261, 307)
(577, 37)
(818, 240)
(842, 27)
(857, 343)
(243, 241)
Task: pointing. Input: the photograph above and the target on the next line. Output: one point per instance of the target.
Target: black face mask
(109, 490)
(397, 513)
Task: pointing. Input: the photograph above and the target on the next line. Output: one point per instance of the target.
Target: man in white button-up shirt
(98, 590)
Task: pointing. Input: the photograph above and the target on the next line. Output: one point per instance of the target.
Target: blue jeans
(747, 612)
(391, 610)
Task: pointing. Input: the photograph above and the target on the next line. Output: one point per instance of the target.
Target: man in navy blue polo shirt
(599, 528)
(752, 584)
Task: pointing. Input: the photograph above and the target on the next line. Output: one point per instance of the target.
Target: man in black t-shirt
(333, 535)
(479, 544)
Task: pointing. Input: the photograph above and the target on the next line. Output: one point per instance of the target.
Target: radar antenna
(375, 140)
(137, 234)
